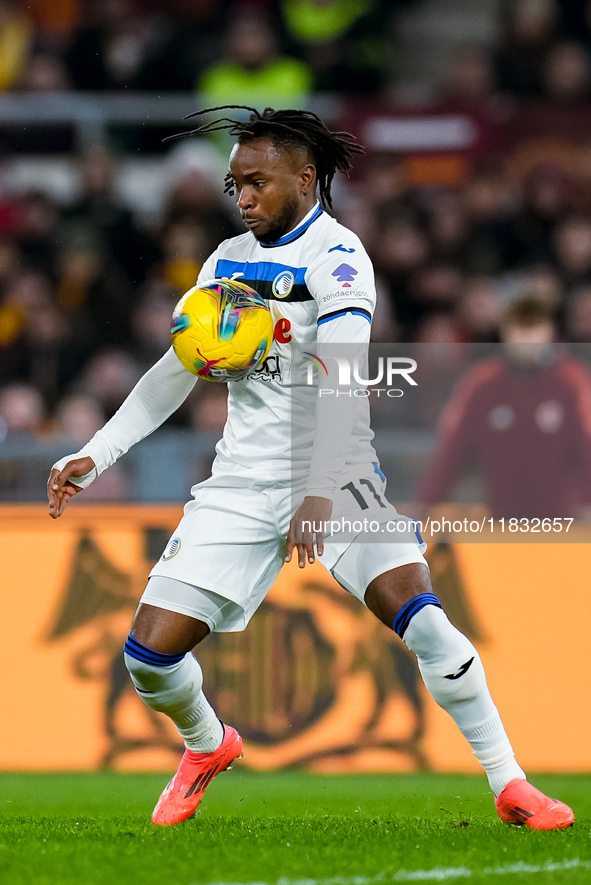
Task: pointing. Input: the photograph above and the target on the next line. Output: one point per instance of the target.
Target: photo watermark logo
(349, 372)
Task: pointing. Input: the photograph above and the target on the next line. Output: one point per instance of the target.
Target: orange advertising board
(314, 681)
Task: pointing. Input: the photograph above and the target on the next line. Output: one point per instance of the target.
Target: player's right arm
(155, 397)
(60, 486)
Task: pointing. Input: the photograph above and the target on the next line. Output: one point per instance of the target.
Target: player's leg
(169, 679)
(166, 676)
(226, 542)
(402, 598)
(393, 581)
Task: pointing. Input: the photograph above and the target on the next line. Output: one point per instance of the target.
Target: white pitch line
(436, 874)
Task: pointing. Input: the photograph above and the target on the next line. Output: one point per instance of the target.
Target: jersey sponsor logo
(354, 293)
(270, 370)
(283, 284)
(281, 332)
(345, 275)
(173, 548)
(340, 248)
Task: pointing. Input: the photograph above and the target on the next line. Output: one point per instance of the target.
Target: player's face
(528, 345)
(274, 190)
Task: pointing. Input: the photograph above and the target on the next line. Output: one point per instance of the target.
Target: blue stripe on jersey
(147, 655)
(356, 311)
(294, 234)
(264, 271)
(408, 611)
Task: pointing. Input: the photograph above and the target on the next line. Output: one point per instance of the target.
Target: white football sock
(176, 691)
(453, 673)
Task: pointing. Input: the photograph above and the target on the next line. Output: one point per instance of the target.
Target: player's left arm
(345, 293)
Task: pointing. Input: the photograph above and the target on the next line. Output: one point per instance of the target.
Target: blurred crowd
(87, 287)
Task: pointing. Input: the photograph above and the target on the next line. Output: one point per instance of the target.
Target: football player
(257, 510)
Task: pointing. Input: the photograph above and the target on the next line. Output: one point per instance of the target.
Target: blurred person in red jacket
(525, 416)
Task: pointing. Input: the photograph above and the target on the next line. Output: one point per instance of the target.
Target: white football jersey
(319, 284)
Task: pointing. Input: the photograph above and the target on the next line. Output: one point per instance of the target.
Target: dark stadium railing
(163, 467)
(91, 114)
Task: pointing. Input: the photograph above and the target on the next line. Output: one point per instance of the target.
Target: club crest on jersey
(172, 549)
(283, 284)
(345, 275)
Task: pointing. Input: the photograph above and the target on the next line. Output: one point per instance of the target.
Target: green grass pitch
(288, 828)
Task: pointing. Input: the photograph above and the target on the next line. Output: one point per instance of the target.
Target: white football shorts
(229, 546)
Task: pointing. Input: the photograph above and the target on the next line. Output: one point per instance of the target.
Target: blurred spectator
(9, 260)
(342, 42)
(22, 421)
(470, 78)
(39, 218)
(447, 227)
(571, 242)
(115, 46)
(489, 247)
(540, 280)
(93, 291)
(99, 211)
(385, 185)
(544, 127)
(108, 377)
(524, 416)
(400, 249)
(438, 328)
(196, 200)
(13, 314)
(548, 195)
(54, 21)
(16, 38)
(86, 291)
(78, 417)
(252, 71)
(479, 310)
(578, 315)
(48, 351)
(150, 322)
(41, 346)
(22, 409)
(45, 72)
(567, 73)
(435, 286)
(530, 27)
(185, 250)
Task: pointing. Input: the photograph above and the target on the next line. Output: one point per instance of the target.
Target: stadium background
(476, 188)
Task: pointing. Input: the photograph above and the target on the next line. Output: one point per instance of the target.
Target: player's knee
(152, 671)
(449, 663)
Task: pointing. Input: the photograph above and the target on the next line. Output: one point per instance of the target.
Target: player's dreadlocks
(331, 151)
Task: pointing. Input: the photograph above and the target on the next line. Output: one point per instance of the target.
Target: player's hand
(60, 487)
(314, 512)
